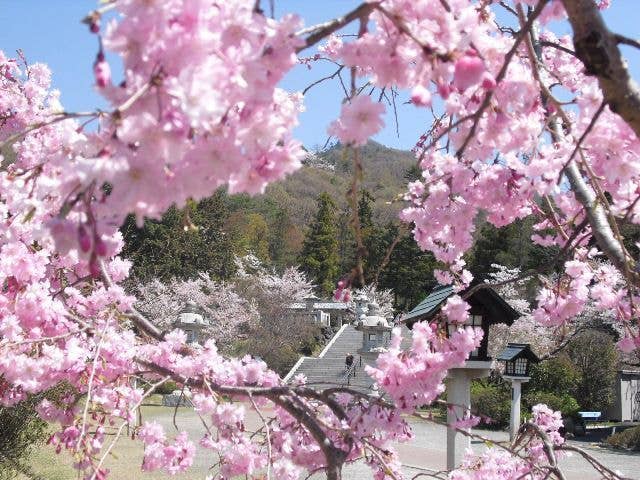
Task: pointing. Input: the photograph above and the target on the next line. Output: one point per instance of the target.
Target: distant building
(626, 397)
(325, 313)
(191, 322)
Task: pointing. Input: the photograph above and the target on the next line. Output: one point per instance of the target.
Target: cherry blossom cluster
(491, 154)
(173, 457)
(416, 377)
(225, 311)
(199, 105)
(534, 464)
(355, 424)
(511, 284)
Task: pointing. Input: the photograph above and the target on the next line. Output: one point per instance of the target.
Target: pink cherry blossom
(102, 72)
(359, 119)
(456, 309)
(469, 71)
(420, 96)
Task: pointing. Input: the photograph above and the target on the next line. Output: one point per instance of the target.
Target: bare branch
(557, 46)
(320, 80)
(626, 40)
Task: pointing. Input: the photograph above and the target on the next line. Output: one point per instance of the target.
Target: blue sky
(50, 31)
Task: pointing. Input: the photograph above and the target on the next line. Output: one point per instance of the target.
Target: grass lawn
(126, 457)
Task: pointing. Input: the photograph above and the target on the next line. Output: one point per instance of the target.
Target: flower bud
(84, 239)
(101, 248)
(468, 72)
(488, 82)
(101, 71)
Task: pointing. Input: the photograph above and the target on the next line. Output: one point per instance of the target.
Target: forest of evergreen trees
(306, 221)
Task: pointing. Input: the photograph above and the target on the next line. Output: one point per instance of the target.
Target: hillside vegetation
(277, 227)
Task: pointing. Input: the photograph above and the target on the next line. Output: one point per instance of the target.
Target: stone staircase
(328, 368)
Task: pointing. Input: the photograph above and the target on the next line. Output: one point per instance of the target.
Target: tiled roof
(430, 304)
(514, 350)
(499, 310)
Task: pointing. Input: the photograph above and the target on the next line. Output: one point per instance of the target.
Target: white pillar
(516, 396)
(458, 394)
(516, 393)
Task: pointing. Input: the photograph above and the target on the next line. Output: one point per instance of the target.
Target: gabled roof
(431, 304)
(320, 306)
(516, 350)
(486, 296)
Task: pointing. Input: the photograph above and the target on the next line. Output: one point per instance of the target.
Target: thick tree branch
(139, 320)
(597, 47)
(323, 30)
(585, 194)
(284, 396)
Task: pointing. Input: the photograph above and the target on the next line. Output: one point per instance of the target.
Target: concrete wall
(626, 403)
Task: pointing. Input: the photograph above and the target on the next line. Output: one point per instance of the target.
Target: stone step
(330, 368)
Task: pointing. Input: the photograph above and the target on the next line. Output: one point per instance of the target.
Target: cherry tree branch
(603, 470)
(318, 32)
(58, 117)
(597, 47)
(94, 365)
(585, 194)
(124, 424)
(284, 396)
(320, 80)
(627, 41)
(139, 320)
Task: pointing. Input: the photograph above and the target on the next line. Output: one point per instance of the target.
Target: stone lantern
(361, 302)
(517, 358)
(487, 308)
(375, 329)
(191, 322)
(376, 333)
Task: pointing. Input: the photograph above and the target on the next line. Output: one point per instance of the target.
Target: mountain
(384, 171)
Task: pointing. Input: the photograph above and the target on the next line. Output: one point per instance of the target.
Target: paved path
(428, 449)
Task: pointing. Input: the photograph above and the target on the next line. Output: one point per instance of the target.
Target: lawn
(126, 457)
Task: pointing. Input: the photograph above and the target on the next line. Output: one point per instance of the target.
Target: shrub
(629, 438)
(21, 430)
(492, 400)
(167, 388)
(564, 402)
(557, 375)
